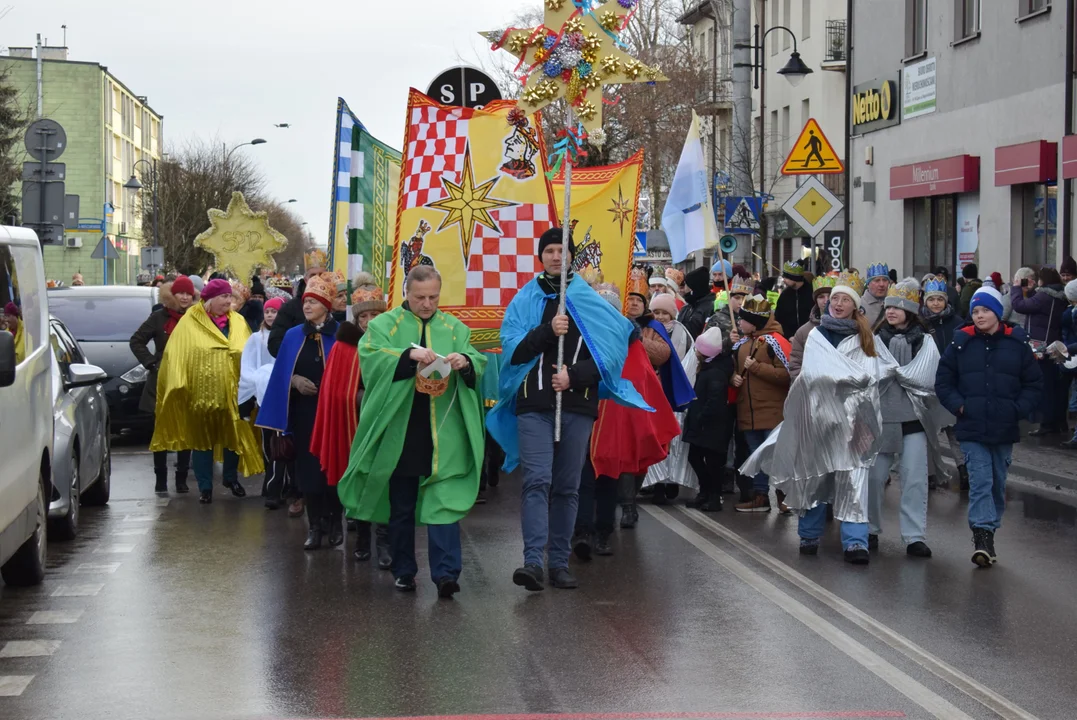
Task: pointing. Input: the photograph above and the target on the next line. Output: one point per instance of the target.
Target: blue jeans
(202, 464)
(755, 438)
(811, 525)
(987, 466)
(551, 487)
(443, 541)
(913, 489)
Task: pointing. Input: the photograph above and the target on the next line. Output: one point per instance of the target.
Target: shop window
(933, 231)
(966, 19)
(915, 28)
(1039, 237)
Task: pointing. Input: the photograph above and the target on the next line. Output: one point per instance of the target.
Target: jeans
(551, 483)
(987, 465)
(202, 464)
(811, 525)
(443, 541)
(160, 464)
(755, 438)
(598, 503)
(913, 489)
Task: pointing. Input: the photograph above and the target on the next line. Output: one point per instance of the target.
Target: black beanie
(970, 271)
(698, 281)
(556, 236)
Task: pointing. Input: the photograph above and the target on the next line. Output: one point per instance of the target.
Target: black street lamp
(135, 185)
(228, 153)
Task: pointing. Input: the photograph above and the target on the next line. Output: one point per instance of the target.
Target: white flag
(688, 218)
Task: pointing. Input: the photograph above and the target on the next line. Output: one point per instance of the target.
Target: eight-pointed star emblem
(468, 205)
(622, 209)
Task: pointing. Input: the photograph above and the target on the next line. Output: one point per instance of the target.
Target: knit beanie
(274, 304)
(183, 284)
(1068, 266)
(709, 344)
(904, 295)
(215, 288)
(665, 303)
(1071, 291)
(698, 281)
(722, 266)
(198, 283)
(555, 236)
(12, 309)
(988, 298)
(970, 271)
(996, 278)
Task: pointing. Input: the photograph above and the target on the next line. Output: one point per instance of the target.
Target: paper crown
(592, 275)
(878, 270)
(904, 294)
(316, 258)
(793, 269)
(758, 305)
(280, 283)
(741, 286)
(851, 279)
(934, 285)
(830, 280)
(637, 283)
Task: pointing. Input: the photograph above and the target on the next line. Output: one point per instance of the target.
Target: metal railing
(835, 41)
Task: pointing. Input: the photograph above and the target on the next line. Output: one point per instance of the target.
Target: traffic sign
(812, 206)
(465, 87)
(152, 257)
(639, 245)
(45, 139)
(742, 214)
(105, 250)
(812, 153)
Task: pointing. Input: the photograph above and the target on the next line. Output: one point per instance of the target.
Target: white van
(26, 408)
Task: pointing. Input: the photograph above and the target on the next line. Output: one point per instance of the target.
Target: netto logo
(872, 104)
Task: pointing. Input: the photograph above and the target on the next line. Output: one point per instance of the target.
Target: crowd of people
(698, 385)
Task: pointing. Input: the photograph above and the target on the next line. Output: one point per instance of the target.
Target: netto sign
(873, 106)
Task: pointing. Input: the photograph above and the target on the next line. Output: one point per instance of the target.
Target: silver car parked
(82, 464)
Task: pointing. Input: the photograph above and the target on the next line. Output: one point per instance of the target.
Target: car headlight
(137, 374)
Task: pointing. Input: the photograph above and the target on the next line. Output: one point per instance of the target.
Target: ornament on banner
(569, 143)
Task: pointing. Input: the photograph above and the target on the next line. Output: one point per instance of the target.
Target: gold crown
(316, 258)
(637, 283)
(758, 305)
(905, 291)
(592, 275)
(851, 279)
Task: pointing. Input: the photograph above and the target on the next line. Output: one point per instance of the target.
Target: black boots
(314, 538)
(629, 516)
(181, 483)
(984, 542)
(161, 486)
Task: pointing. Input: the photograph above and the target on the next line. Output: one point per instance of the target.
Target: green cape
(456, 423)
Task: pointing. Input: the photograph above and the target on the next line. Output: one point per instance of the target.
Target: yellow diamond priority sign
(812, 153)
(812, 206)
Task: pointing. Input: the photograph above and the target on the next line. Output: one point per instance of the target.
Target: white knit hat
(1071, 291)
(846, 290)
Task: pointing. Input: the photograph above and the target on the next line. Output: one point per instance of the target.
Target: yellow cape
(20, 342)
(198, 391)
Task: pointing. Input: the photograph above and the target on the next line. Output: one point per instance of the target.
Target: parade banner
(605, 204)
(474, 199)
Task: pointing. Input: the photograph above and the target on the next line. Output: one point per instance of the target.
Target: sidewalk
(1042, 460)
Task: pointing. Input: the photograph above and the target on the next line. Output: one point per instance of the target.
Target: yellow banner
(474, 199)
(605, 204)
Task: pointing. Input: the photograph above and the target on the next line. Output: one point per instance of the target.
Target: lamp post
(135, 185)
(794, 71)
(228, 153)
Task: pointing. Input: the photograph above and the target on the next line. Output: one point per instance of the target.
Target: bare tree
(286, 223)
(13, 121)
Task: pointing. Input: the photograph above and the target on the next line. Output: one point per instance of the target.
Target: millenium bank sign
(874, 106)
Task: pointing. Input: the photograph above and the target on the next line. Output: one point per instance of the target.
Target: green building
(109, 129)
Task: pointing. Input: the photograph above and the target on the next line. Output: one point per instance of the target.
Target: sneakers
(602, 546)
(296, 508)
(406, 583)
(528, 577)
(205, 497)
(758, 504)
(447, 587)
(563, 579)
(581, 546)
(857, 555)
(629, 517)
(918, 549)
(809, 546)
(984, 541)
(873, 542)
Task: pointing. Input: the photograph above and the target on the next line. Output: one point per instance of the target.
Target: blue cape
(605, 332)
(273, 413)
(679, 392)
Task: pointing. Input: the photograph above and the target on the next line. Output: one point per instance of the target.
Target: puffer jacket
(761, 399)
(943, 326)
(990, 382)
(708, 423)
(1043, 311)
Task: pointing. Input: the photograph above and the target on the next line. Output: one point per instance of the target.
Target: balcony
(715, 101)
(836, 48)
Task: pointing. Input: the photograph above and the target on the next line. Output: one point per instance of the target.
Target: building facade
(109, 129)
(958, 145)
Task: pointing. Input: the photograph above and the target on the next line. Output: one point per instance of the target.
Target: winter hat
(257, 289)
(1071, 291)
(676, 276)
(183, 284)
(757, 311)
(722, 266)
(709, 344)
(970, 271)
(666, 303)
(12, 309)
(323, 288)
(198, 283)
(698, 281)
(637, 284)
(996, 278)
(849, 284)
(215, 288)
(273, 304)
(741, 271)
(988, 298)
(555, 236)
(904, 295)
(1068, 266)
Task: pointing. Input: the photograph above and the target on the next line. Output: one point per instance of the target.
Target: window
(100, 319)
(19, 285)
(787, 10)
(776, 142)
(805, 111)
(966, 19)
(785, 131)
(934, 227)
(805, 16)
(1039, 231)
(1028, 7)
(915, 27)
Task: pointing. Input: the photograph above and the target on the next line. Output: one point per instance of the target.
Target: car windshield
(100, 319)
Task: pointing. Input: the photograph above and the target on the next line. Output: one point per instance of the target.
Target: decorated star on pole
(573, 55)
(241, 240)
(468, 205)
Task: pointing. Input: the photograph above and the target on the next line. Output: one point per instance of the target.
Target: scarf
(221, 321)
(669, 325)
(900, 342)
(946, 314)
(173, 318)
(842, 326)
(554, 281)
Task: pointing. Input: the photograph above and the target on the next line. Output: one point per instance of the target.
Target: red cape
(627, 440)
(337, 418)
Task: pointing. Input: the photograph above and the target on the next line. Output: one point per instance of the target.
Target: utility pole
(40, 83)
(741, 170)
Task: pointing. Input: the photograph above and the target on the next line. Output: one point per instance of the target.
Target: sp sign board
(465, 87)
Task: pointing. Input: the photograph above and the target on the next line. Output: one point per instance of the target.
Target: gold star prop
(574, 55)
(622, 209)
(241, 240)
(468, 205)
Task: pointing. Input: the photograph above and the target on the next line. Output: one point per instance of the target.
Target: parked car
(26, 399)
(102, 319)
(82, 465)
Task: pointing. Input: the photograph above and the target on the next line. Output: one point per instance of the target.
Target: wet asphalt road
(163, 608)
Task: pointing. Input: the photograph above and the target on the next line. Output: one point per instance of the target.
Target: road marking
(930, 701)
(142, 518)
(54, 617)
(113, 549)
(156, 502)
(83, 590)
(743, 715)
(13, 685)
(131, 531)
(29, 648)
(93, 568)
(938, 667)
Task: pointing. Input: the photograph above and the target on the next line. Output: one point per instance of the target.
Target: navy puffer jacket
(994, 378)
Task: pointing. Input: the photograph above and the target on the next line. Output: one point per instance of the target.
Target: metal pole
(762, 53)
(153, 176)
(741, 170)
(40, 83)
(566, 235)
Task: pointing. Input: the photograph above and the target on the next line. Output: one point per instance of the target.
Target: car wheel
(67, 527)
(27, 565)
(97, 494)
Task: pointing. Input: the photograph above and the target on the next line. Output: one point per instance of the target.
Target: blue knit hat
(989, 298)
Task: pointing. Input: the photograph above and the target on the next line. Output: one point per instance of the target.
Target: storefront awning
(947, 176)
(1031, 162)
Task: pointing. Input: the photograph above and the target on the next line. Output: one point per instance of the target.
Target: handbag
(281, 448)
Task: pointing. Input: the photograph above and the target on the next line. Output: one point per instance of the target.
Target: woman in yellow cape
(198, 393)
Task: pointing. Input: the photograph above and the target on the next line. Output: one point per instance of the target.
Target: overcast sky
(233, 68)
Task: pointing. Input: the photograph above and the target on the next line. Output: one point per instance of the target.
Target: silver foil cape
(675, 468)
(918, 380)
(830, 437)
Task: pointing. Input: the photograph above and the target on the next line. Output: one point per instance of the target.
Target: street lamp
(134, 185)
(293, 200)
(228, 153)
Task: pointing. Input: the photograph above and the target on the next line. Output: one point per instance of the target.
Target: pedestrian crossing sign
(812, 153)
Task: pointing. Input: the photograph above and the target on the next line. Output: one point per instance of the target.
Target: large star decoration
(573, 55)
(468, 205)
(622, 209)
(241, 240)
